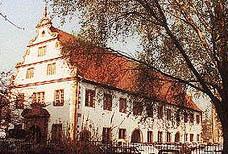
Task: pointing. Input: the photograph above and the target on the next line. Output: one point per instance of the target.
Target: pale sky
(26, 14)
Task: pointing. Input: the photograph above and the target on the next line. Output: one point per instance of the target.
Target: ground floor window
(85, 135)
(150, 137)
(106, 135)
(159, 137)
(168, 137)
(191, 137)
(56, 132)
(122, 133)
(177, 137)
(136, 136)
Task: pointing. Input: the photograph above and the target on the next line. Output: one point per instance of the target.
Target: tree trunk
(222, 111)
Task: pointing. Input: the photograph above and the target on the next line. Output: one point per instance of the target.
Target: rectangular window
(198, 137)
(59, 97)
(137, 108)
(51, 69)
(191, 117)
(149, 110)
(169, 114)
(107, 105)
(197, 119)
(186, 137)
(191, 137)
(185, 117)
(106, 135)
(159, 137)
(168, 137)
(38, 97)
(20, 101)
(122, 105)
(122, 133)
(41, 51)
(160, 111)
(56, 133)
(149, 136)
(30, 73)
(89, 98)
(177, 117)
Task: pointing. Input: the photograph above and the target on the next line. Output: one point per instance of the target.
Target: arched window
(85, 135)
(177, 137)
(136, 136)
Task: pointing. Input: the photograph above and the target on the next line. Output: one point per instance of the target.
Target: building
(76, 90)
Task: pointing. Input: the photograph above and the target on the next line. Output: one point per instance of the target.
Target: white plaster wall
(94, 119)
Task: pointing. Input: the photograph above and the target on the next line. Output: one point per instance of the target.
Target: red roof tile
(109, 68)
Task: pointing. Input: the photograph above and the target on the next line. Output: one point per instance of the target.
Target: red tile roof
(111, 69)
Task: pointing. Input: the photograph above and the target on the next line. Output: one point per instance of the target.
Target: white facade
(74, 115)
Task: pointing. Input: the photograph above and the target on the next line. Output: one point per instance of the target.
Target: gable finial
(45, 10)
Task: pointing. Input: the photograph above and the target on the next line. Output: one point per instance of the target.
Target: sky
(26, 14)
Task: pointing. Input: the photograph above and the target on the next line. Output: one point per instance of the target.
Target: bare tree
(186, 41)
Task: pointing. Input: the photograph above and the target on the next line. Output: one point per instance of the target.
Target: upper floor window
(20, 101)
(41, 51)
(107, 102)
(30, 73)
(59, 97)
(197, 119)
(198, 137)
(38, 97)
(186, 137)
(122, 133)
(191, 117)
(51, 69)
(185, 117)
(160, 111)
(149, 110)
(137, 108)
(122, 105)
(169, 114)
(89, 98)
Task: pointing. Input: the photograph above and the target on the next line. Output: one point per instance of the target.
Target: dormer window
(43, 33)
(41, 51)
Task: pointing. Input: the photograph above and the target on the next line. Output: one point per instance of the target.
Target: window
(51, 69)
(137, 108)
(107, 105)
(197, 119)
(56, 133)
(122, 133)
(149, 110)
(177, 137)
(169, 114)
(160, 111)
(159, 137)
(38, 97)
(186, 137)
(178, 117)
(198, 137)
(191, 137)
(41, 51)
(149, 136)
(185, 117)
(122, 105)
(89, 98)
(59, 97)
(20, 101)
(30, 73)
(191, 117)
(168, 137)
(106, 135)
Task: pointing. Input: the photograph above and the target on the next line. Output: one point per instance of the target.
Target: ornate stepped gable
(108, 68)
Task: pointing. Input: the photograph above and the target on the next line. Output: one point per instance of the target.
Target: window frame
(42, 51)
(90, 98)
(107, 102)
(122, 105)
(30, 73)
(59, 96)
(51, 68)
